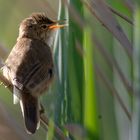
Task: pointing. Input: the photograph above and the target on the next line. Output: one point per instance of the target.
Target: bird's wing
(30, 63)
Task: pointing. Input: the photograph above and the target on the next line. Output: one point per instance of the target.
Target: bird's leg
(43, 118)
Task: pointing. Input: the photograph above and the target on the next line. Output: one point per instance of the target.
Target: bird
(29, 66)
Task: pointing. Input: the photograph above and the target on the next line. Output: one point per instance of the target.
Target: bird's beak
(58, 24)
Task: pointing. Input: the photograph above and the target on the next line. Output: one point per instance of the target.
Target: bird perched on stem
(29, 66)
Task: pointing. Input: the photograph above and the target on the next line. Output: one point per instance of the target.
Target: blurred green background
(95, 94)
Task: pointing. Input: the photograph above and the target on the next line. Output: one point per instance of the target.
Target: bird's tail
(30, 110)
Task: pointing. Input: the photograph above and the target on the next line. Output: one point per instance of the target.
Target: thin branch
(120, 15)
(6, 83)
(57, 130)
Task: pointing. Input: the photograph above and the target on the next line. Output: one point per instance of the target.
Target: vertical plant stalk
(64, 65)
(74, 61)
(136, 65)
(90, 108)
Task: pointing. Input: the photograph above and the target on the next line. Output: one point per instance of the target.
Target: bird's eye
(30, 26)
(44, 26)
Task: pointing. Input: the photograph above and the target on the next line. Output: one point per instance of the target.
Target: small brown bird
(29, 67)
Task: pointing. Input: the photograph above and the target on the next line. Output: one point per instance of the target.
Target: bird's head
(39, 26)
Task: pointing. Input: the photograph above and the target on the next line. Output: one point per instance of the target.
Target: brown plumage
(29, 67)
